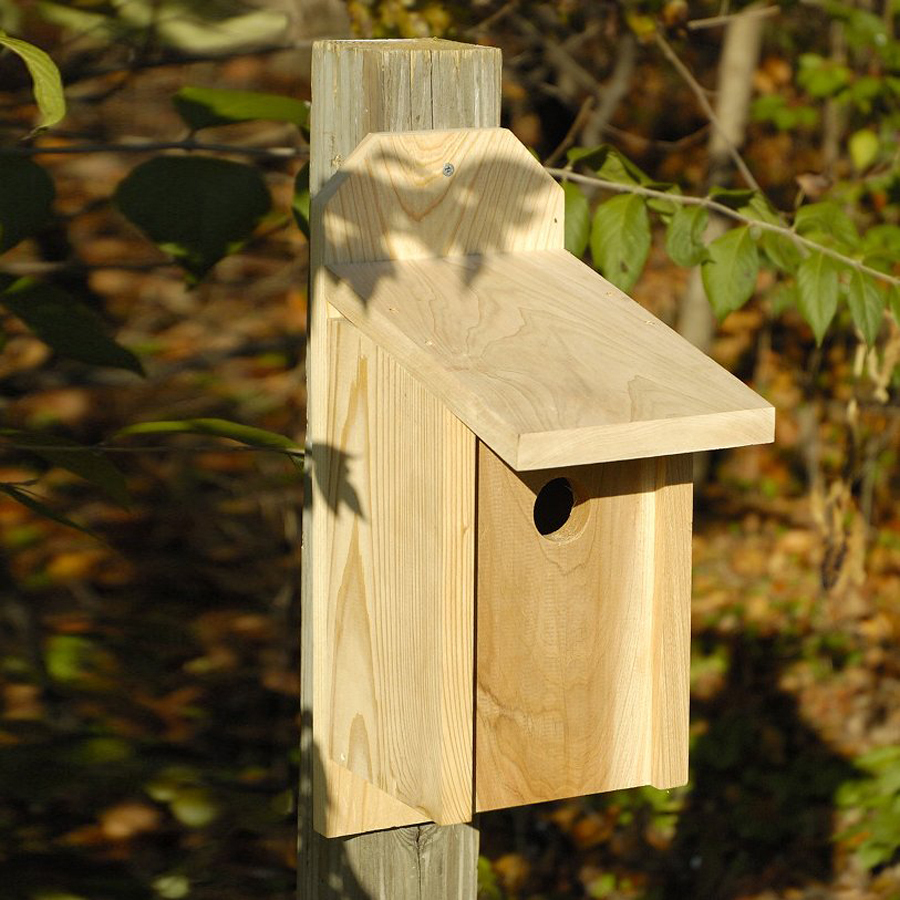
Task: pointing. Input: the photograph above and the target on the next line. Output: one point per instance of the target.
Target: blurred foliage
(875, 800)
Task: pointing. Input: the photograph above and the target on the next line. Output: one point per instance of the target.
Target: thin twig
(608, 94)
(559, 56)
(680, 144)
(614, 89)
(715, 21)
(153, 146)
(161, 448)
(73, 76)
(708, 111)
(493, 18)
(707, 203)
(30, 269)
(572, 133)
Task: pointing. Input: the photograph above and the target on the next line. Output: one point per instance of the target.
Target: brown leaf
(22, 702)
(813, 184)
(129, 819)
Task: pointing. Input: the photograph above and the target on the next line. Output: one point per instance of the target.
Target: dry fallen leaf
(127, 820)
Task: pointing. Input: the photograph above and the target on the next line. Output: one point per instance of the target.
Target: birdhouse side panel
(671, 645)
(583, 596)
(395, 691)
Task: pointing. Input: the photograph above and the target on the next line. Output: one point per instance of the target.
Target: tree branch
(715, 21)
(708, 111)
(36, 269)
(161, 448)
(153, 146)
(572, 133)
(493, 18)
(714, 206)
(71, 75)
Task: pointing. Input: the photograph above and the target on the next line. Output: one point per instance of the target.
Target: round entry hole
(553, 506)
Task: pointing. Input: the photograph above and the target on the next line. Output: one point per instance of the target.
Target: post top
(393, 45)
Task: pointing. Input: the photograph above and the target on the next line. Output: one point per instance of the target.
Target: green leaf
(871, 854)
(684, 238)
(817, 292)
(177, 24)
(864, 147)
(827, 223)
(780, 249)
(70, 657)
(208, 107)
(578, 219)
(196, 208)
(774, 108)
(27, 499)
(73, 457)
(26, 199)
(302, 198)
(865, 91)
(821, 77)
(608, 164)
(620, 239)
(729, 271)
(665, 208)
(245, 434)
(173, 886)
(199, 26)
(70, 328)
(194, 807)
(866, 305)
(733, 198)
(881, 246)
(619, 168)
(894, 302)
(783, 297)
(48, 91)
(488, 889)
(592, 157)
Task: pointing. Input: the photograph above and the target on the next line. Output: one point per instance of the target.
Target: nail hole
(553, 506)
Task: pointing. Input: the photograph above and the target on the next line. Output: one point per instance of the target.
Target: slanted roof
(546, 361)
(446, 248)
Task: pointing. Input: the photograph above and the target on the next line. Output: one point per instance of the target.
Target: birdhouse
(502, 495)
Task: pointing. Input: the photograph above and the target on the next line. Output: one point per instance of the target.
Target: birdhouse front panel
(583, 634)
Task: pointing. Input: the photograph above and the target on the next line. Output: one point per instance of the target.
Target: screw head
(449, 169)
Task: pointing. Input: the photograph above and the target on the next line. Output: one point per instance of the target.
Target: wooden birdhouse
(502, 495)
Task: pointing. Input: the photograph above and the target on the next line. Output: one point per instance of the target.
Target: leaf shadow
(329, 466)
(760, 811)
(323, 861)
(758, 814)
(390, 207)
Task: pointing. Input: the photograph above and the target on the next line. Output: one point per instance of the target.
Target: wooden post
(361, 87)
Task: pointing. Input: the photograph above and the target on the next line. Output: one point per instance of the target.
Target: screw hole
(553, 506)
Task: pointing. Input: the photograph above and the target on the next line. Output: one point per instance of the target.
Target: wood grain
(429, 862)
(361, 87)
(583, 635)
(400, 612)
(546, 361)
(439, 193)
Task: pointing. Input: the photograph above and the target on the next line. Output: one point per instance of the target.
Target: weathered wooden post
(498, 552)
(361, 87)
